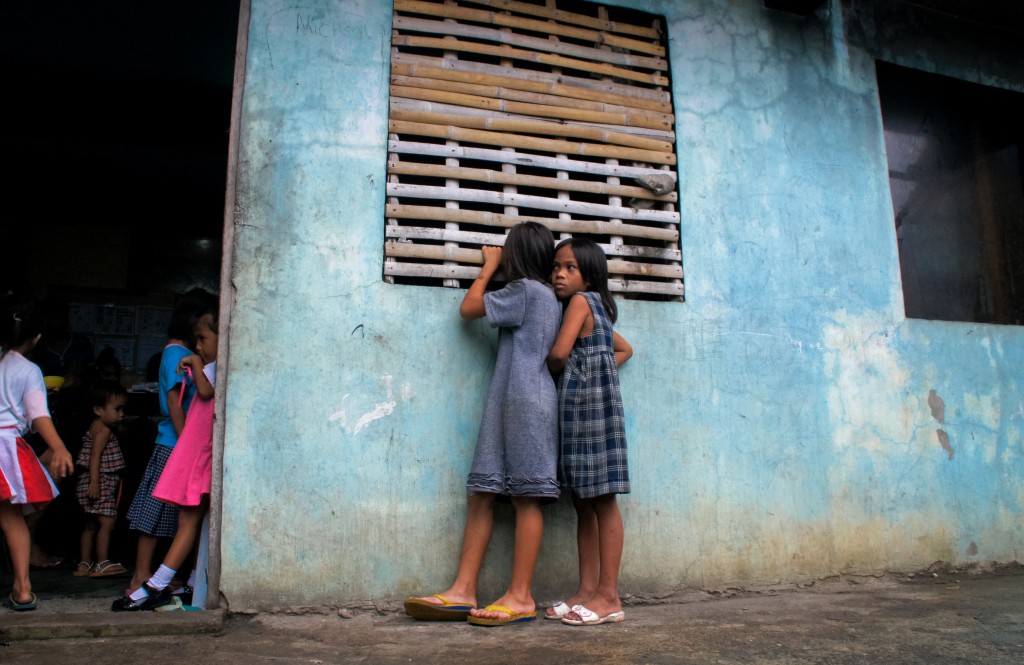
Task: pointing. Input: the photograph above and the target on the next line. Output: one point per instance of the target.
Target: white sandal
(80, 572)
(590, 618)
(561, 609)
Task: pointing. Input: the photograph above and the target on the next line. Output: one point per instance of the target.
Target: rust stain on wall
(938, 407)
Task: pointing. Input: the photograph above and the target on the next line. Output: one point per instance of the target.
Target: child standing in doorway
(100, 463)
(588, 354)
(154, 519)
(186, 478)
(517, 448)
(24, 483)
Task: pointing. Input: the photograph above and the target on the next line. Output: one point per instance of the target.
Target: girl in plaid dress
(592, 462)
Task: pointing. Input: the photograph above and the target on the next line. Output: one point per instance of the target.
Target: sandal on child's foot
(154, 599)
(84, 569)
(107, 568)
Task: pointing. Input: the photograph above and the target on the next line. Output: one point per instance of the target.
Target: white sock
(139, 593)
(162, 577)
(192, 579)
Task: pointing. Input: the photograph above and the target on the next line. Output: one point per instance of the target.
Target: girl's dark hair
(21, 319)
(211, 310)
(529, 252)
(186, 308)
(593, 267)
(102, 392)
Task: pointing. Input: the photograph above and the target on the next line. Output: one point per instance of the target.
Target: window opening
(954, 151)
(553, 111)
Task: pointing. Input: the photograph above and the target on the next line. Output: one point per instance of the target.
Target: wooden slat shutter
(504, 111)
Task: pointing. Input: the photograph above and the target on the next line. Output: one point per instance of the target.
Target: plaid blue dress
(593, 429)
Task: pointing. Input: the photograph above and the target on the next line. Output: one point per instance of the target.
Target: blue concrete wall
(778, 419)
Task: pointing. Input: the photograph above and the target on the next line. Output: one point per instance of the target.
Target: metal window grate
(553, 111)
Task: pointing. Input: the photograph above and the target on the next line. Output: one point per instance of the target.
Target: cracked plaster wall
(781, 420)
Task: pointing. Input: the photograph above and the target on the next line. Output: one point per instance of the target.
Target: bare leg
(588, 550)
(143, 561)
(19, 547)
(529, 531)
(106, 527)
(87, 540)
(479, 525)
(37, 555)
(605, 599)
(190, 518)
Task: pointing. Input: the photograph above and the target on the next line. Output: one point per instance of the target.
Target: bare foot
(516, 605)
(449, 596)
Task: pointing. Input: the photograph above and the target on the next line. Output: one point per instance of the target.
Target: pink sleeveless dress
(186, 476)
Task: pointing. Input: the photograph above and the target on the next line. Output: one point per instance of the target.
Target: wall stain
(938, 407)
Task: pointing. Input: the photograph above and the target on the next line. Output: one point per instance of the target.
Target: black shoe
(185, 593)
(153, 600)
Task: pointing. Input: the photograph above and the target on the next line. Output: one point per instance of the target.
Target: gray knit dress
(517, 448)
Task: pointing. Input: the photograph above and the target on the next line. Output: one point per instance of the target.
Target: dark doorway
(118, 116)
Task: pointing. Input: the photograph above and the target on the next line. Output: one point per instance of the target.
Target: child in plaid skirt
(592, 459)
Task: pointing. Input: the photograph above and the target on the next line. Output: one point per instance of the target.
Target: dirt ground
(933, 618)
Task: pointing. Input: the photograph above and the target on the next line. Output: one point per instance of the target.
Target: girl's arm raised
(623, 351)
(576, 316)
(473, 303)
(204, 389)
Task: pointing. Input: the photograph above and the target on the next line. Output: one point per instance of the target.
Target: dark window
(954, 152)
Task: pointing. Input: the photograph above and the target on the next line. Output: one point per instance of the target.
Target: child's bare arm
(60, 464)
(623, 351)
(100, 438)
(204, 389)
(175, 410)
(575, 318)
(473, 303)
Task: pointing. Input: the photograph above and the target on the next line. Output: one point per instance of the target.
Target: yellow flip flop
(424, 610)
(513, 617)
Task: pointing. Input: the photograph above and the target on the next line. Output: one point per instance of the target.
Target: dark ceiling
(119, 111)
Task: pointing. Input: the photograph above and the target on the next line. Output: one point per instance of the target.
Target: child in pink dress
(185, 481)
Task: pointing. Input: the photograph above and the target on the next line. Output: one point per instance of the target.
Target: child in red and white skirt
(24, 483)
(100, 463)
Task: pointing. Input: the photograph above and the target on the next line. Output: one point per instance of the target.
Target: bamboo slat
(495, 123)
(415, 105)
(519, 158)
(600, 85)
(636, 117)
(512, 53)
(438, 271)
(475, 257)
(487, 175)
(566, 112)
(658, 103)
(557, 225)
(618, 58)
(532, 25)
(402, 190)
(411, 233)
(576, 19)
(528, 142)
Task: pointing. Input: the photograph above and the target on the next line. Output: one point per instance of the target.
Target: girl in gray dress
(517, 448)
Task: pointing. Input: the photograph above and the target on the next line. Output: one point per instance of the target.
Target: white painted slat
(526, 201)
